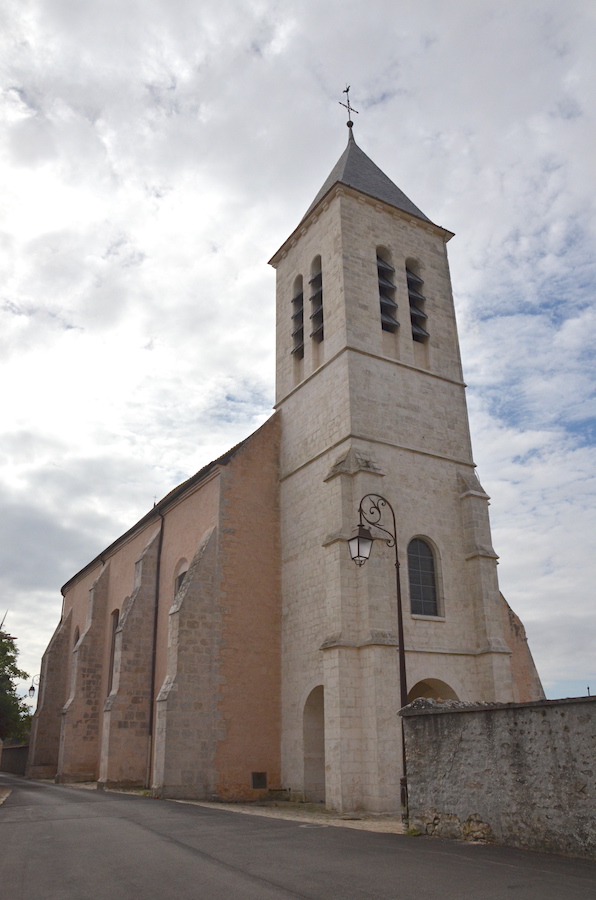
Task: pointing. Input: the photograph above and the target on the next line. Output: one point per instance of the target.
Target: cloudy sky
(155, 153)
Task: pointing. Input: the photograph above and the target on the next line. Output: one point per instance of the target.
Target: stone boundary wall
(14, 759)
(522, 774)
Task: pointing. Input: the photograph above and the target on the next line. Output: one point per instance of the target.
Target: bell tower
(371, 396)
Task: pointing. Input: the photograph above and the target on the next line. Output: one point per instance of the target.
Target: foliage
(14, 712)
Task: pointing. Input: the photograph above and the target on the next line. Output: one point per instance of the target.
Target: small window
(423, 582)
(179, 579)
(417, 300)
(298, 319)
(77, 635)
(316, 301)
(387, 290)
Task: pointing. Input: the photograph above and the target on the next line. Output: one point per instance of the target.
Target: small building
(227, 644)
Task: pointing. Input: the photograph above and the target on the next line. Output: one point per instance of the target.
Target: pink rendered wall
(121, 585)
(77, 600)
(250, 692)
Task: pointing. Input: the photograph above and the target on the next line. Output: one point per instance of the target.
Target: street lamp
(360, 545)
(370, 513)
(34, 681)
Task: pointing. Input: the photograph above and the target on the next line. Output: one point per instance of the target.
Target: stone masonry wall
(14, 759)
(81, 715)
(188, 724)
(522, 774)
(526, 682)
(125, 740)
(44, 744)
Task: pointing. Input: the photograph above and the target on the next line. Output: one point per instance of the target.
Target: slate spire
(356, 170)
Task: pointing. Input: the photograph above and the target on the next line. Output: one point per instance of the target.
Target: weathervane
(348, 106)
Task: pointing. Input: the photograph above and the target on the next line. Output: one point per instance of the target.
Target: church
(226, 645)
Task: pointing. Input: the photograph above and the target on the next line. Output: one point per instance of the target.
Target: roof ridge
(170, 497)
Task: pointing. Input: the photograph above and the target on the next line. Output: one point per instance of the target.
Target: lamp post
(370, 513)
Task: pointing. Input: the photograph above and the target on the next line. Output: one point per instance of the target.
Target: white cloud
(155, 154)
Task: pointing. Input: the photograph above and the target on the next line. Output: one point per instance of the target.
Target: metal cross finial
(348, 105)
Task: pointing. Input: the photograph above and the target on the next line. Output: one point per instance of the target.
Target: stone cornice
(372, 440)
(387, 639)
(341, 190)
(376, 639)
(388, 359)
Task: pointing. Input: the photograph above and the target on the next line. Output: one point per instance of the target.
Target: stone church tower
(371, 396)
(226, 644)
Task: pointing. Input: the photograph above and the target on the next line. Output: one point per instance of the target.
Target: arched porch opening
(313, 729)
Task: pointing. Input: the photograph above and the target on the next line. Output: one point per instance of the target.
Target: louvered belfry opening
(316, 301)
(417, 300)
(387, 295)
(298, 319)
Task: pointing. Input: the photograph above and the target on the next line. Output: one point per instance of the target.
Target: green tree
(15, 717)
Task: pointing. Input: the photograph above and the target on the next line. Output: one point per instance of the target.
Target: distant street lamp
(370, 513)
(34, 681)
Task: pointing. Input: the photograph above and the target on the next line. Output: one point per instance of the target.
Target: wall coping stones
(427, 707)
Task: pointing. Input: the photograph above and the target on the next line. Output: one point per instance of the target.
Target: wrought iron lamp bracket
(371, 513)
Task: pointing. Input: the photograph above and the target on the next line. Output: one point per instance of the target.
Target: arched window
(181, 575)
(423, 580)
(298, 318)
(386, 291)
(77, 635)
(417, 300)
(316, 300)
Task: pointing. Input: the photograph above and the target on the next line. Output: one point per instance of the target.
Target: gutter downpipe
(151, 723)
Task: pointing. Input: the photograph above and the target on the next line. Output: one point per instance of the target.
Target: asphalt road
(63, 843)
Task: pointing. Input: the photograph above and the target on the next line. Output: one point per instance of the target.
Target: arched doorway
(313, 730)
(432, 689)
